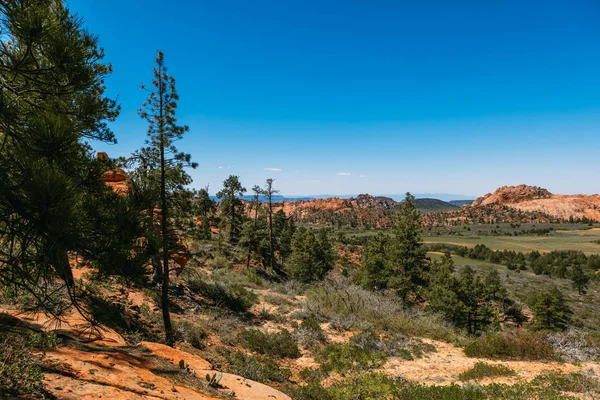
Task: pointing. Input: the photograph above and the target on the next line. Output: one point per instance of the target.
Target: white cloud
(362, 176)
(343, 174)
(273, 169)
(220, 167)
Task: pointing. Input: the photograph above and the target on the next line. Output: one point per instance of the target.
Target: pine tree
(268, 192)
(551, 310)
(52, 103)
(249, 237)
(203, 206)
(312, 257)
(167, 163)
(580, 278)
(410, 275)
(472, 294)
(284, 229)
(376, 263)
(232, 205)
(493, 285)
(399, 262)
(443, 290)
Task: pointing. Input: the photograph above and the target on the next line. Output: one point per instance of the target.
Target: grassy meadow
(582, 240)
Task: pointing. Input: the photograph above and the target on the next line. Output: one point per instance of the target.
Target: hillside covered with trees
(118, 280)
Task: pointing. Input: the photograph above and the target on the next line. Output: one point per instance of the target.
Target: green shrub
(313, 390)
(366, 386)
(191, 333)
(256, 368)
(522, 345)
(574, 382)
(484, 370)
(277, 344)
(372, 385)
(234, 297)
(20, 370)
(310, 333)
(348, 358)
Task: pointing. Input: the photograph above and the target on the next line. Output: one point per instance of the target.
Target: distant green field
(559, 240)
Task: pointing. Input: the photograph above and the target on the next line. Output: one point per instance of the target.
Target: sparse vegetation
(20, 370)
(352, 307)
(258, 368)
(520, 345)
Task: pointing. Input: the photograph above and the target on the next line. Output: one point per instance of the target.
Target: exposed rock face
(534, 199)
(508, 204)
(524, 204)
(99, 364)
(116, 178)
(513, 195)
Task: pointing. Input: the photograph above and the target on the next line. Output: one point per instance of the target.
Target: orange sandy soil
(443, 367)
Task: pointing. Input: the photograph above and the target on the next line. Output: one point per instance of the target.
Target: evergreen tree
(443, 290)
(463, 298)
(167, 164)
(376, 263)
(268, 192)
(203, 204)
(550, 310)
(476, 300)
(580, 278)
(249, 230)
(408, 253)
(204, 207)
(284, 229)
(312, 257)
(493, 285)
(52, 103)
(398, 263)
(232, 206)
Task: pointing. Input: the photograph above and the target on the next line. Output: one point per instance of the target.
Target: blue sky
(343, 97)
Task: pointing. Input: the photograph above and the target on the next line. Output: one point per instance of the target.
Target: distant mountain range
(508, 204)
(454, 199)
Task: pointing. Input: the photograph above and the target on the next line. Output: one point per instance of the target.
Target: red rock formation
(118, 180)
(513, 194)
(522, 203)
(114, 177)
(533, 199)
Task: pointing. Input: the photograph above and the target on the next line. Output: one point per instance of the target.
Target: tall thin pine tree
(159, 110)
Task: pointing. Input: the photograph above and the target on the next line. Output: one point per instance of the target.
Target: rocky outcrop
(513, 195)
(534, 199)
(522, 204)
(114, 176)
(117, 180)
(363, 210)
(99, 364)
